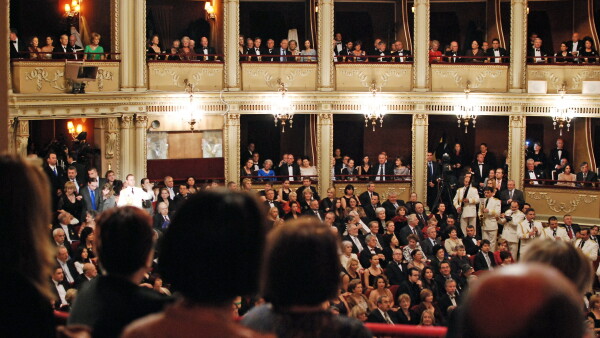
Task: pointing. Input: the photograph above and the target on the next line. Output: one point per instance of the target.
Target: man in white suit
(554, 232)
(489, 211)
(465, 202)
(528, 231)
(511, 220)
(588, 246)
(132, 195)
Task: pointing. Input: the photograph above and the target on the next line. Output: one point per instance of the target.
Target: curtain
(162, 16)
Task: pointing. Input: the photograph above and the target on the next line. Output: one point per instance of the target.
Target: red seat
(472, 260)
(394, 290)
(61, 317)
(74, 246)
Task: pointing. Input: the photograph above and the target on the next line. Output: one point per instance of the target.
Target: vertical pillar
(516, 148)
(12, 125)
(106, 136)
(420, 125)
(126, 145)
(231, 28)
(324, 48)
(130, 34)
(4, 75)
(231, 136)
(139, 165)
(22, 137)
(138, 36)
(324, 150)
(518, 45)
(421, 67)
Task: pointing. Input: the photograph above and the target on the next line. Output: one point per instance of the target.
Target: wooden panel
(170, 75)
(263, 76)
(582, 204)
(556, 75)
(180, 169)
(485, 78)
(403, 189)
(185, 145)
(48, 77)
(358, 76)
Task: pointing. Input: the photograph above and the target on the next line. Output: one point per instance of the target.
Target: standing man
(554, 232)
(528, 230)
(489, 212)
(511, 220)
(382, 168)
(465, 202)
(91, 195)
(433, 173)
(132, 195)
(365, 197)
(559, 153)
(511, 195)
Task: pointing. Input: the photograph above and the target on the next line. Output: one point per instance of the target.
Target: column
(420, 125)
(106, 137)
(232, 27)
(126, 146)
(12, 125)
(324, 150)
(324, 48)
(421, 67)
(22, 137)
(4, 84)
(518, 45)
(231, 137)
(516, 147)
(138, 42)
(130, 36)
(140, 149)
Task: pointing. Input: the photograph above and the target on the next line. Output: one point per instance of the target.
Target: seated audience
(475, 54)
(589, 53)
(435, 54)
(382, 314)
(563, 56)
(427, 304)
(94, 51)
(567, 176)
(536, 53)
(381, 290)
(154, 51)
(497, 54)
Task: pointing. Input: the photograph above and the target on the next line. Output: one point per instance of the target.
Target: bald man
(521, 300)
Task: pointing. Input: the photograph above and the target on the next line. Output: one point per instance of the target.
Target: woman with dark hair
(283, 194)
(294, 211)
(338, 210)
(205, 304)
(348, 194)
(372, 272)
(401, 170)
(108, 198)
(81, 257)
(400, 220)
(27, 255)
(428, 282)
(538, 156)
(589, 53)
(366, 169)
(87, 241)
(248, 169)
(350, 173)
(154, 51)
(457, 159)
(358, 52)
(381, 289)
(190, 182)
(300, 313)
(475, 54)
(439, 255)
(442, 218)
(165, 197)
(563, 56)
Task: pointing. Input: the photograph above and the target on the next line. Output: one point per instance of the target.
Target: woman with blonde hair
(94, 51)
(26, 251)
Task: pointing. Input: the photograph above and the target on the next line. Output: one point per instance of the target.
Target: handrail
(196, 57)
(464, 59)
(406, 330)
(549, 182)
(371, 177)
(81, 55)
(297, 178)
(569, 60)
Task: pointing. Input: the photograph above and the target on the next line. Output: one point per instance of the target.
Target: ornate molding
(126, 121)
(111, 136)
(561, 207)
(381, 79)
(195, 78)
(22, 137)
(141, 121)
(40, 76)
(270, 79)
(103, 75)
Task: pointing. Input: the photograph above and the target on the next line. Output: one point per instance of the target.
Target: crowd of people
(576, 50)
(181, 49)
(252, 49)
(69, 47)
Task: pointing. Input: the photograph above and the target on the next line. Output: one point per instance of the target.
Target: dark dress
(402, 319)
(74, 209)
(539, 157)
(560, 58)
(285, 195)
(591, 56)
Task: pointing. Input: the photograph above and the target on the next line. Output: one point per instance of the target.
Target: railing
(473, 60)
(373, 177)
(562, 184)
(248, 58)
(263, 75)
(388, 330)
(71, 56)
(564, 60)
(406, 59)
(279, 178)
(194, 57)
(169, 75)
(483, 76)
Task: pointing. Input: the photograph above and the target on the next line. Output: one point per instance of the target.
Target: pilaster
(139, 165)
(126, 146)
(106, 134)
(516, 148)
(324, 149)
(420, 126)
(130, 32)
(421, 70)
(518, 45)
(22, 137)
(230, 49)
(11, 136)
(325, 69)
(139, 45)
(231, 137)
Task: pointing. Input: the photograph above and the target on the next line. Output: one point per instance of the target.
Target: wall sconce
(194, 116)
(74, 8)
(210, 10)
(74, 130)
(562, 114)
(466, 112)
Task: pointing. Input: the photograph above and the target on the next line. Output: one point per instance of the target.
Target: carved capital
(420, 120)
(517, 121)
(111, 124)
(141, 121)
(22, 128)
(126, 121)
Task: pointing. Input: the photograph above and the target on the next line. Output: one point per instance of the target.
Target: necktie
(93, 199)
(381, 172)
(387, 318)
(570, 231)
(486, 202)
(55, 172)
(414, 230)
(510, 194)
(132, 192)
(431, 168)
(582, 243)
(166, 218)
(554, 233)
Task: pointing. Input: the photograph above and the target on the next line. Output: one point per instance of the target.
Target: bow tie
(495, 50)
(537, 49)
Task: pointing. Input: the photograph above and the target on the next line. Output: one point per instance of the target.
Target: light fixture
(373, 109)
(210, 10)
(283, 111)
(73, 8)
(74, 130)
(466, 112)
(562, 114)
(193, 116)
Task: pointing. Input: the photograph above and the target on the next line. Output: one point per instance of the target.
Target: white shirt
(575, 45)
(66, 230)
(66, 271)
(61, 292)
(76, 185)
(16, 44)
(133, 196)
(531, 175)
(357, 243)
(452, 299)
(291, 173)
(171, 192)
(497, 53)
(538, 54)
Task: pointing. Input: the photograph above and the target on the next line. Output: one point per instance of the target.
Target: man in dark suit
(60, 240)
(484, 259)
(433, 173)
(450, 296)
(536, 53)
(89, 273)
(412, 286)
(391, 205)
(428, 243)
(557, 154)
(56, 176)
(161, 219)
(585, 175)
(17, 47)
(63, 51)
(481, 170)
(396, 271)
(511, 194)
(291, 170)
(365, 197)
(382, 314)
(272, 203)
(572, 229)
(575, 46)
(445, 274)
(307, 184)
(421, 215)
(382, 169)
(268, 51)
(81, 172)
(358, 243)
(314, 211)
(205, 49)
(370, 208)
(338, 45)
(412, 228)
(489, 157)
(91, 196)
(381, 54)
(247, 152)
(371, 249)
(93, 173)
(532, 174)
(400, 54)
(283, 50)
(64, 223)
(496, 54)
(75, 48)
(67, 264)
(249, 51)
(59, 289)
(470, 242)
(453, 55)
(344, 54)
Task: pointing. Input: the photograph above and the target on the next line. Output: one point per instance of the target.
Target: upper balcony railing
(262, 72)
(484, 74)
(168, 73)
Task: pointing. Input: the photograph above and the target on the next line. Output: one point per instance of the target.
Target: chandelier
(466, 112)
(562, 114)
(193, 117)
(283, 110)
(373, 110)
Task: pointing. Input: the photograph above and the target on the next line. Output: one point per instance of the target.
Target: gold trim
(561, 207)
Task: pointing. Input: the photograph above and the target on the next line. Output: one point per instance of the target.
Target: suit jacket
(555, 159)
(575, 227)
(453, 57)
(80, 281)
(60, 53)
(72, 270)
(491, 55)
(311, 213)
(432, 177)
(56, 181)
(412, 290)
(480, 264)
(266, 54)
(283, 171)
(394, 274)
(390, 209)
(65, 285)
(200, 53)
(580, 46)
(371, 215)
(505, 196)
(489, 218)
(396, 57)
(72, 235)
(313, 189)
(376, 317)
(444, 302)
(21, 53)
(355, 249)
(470, 246)
(590, 177)
(343, 55)
(538, 174)
(531, 54)
(477, 176)
(561, 233)
(159, 221)
(381, 58)
(441, 281)
(365, 199)
(279, 52)
(346, 173)
(405, 231)
(469, 203)
(87, 205)
(365, 256)
(427, 247)
(277, 205)
(389, 170)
